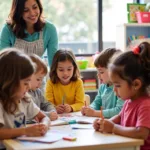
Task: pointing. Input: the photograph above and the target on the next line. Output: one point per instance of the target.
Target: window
(114, 13)
(77, 23)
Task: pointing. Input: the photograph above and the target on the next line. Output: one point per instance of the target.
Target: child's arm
(49, 95)
(88, 111)
(79, 96)
(6, 133)
(97, 102)
(34, 130)
(43, 119)
(110, 127)
(133, 132)
(117, 103)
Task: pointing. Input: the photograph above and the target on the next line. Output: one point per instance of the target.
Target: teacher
(27, 30)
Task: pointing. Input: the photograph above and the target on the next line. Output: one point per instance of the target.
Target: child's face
(122, 88)
(102, 74)
(65, 71)
(36, 80)
(31, 12)
(24, 87)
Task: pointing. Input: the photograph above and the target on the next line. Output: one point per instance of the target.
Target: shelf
(135, 24)
(127, 30)
(91, 91)
(88, 70)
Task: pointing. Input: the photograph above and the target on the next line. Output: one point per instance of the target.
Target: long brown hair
(61, 56)
(14, 66)
(16, 21)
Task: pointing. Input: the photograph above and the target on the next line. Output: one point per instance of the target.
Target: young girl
(65, 88)
(35, 91)
(16, 69)
(130, 74)
(27, 30)
(106, 97)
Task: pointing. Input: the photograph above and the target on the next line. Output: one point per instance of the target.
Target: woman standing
(26, 29)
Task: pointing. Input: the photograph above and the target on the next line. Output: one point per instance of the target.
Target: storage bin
(82, 64)
(143, 17)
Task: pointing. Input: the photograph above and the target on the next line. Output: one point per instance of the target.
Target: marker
(72, 122)
(69, 138)
(101, 113)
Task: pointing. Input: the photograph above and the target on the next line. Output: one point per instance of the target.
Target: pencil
(85, 103)
(63, 99)
(101, 113)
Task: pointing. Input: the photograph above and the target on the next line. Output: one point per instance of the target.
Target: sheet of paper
(82, 126)
(48, 138)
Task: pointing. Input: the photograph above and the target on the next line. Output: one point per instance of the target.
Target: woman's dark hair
(16, 22)
(14, 66)
(133, 65)
(61, 56)
(105, 56)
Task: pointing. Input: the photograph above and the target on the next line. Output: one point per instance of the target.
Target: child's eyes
(26, 83)
(117, 85)
(100, 72)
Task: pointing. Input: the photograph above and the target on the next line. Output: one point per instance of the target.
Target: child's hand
(89, 111)
(106, 126)
(60, 109)
(36, 130)
(68, 108)
(53, 116)
(96, 124)
(82, 110)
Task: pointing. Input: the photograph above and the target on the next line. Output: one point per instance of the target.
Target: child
(106, 97)
(65, 88)
(37, 95)
(130, 74)
(16, 69)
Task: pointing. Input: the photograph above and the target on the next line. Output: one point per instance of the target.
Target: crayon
(101, 113)
(69, 138)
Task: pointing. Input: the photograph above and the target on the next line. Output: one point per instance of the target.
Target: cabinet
(127, 30)
(90, 82)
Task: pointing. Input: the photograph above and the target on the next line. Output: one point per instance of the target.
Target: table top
(86, 138)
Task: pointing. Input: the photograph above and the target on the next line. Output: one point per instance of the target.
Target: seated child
(16, 69)
(106, 97)
(130, 75)
(35, 91)
(65, 88)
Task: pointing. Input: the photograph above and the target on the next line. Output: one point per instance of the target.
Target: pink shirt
(137, 114)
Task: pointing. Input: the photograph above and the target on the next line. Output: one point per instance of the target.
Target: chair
(87, 99)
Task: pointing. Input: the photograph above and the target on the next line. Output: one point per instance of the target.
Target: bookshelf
(126, 30)
(90, 82)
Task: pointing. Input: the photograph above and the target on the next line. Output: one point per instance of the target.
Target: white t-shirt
(18, 119)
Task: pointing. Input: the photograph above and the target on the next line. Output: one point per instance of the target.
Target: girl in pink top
(130, 74)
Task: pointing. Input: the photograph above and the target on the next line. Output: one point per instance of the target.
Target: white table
(87, 139)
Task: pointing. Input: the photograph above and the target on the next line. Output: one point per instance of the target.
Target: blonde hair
(39, 63)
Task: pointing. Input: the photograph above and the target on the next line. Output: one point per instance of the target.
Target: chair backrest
(87, 99)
